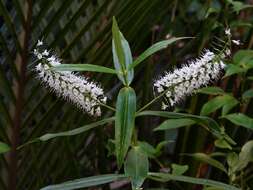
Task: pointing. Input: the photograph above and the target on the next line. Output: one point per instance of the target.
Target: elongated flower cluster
(86, 95)
(182, 82)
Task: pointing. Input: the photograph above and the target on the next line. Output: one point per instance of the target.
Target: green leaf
(164, 177)
(84, 67)
(136, 167)
(179, 169)
(175, 123)
(211, 91)
(217, 103)
(207, 159)
(240, 23)
(76, 131)
(86, 182)
(242, 57)
(245, 156)
(124, 122)
(250, 78)
(4, 148)
(238, 6)
(247, 94)
(232, 160)
(149, 150)
(212, 188)
(222, 143)
(233, 69)
(161, 145)
(240, 119)
(122, 56)
(230, 105)
(153, 49)
(204, 121)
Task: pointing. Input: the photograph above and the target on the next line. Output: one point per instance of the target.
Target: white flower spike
(182, 82)
(86, 95)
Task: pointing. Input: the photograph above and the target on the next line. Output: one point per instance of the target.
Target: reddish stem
(17, 119)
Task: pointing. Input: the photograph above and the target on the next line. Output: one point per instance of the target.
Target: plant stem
(107, 106)
(151, 102)
(17, 118)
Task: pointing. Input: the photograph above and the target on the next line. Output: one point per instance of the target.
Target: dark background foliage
(79, 31)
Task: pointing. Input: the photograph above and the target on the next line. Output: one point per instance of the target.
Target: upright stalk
(17, 118)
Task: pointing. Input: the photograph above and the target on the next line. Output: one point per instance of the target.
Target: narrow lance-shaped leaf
(124, 122)
(72, 132)
(240, 119)
(136, 167)
(175, 123)
(217, 103)
(153, 49)
(122, 56)
(85, 182)
(84, 67)
(164, 177)
(207, 159)
(213, 90)
(205, 121)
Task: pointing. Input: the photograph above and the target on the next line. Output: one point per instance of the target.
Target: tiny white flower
(164, 106)
(228, 32)
(39, 43)
(98, 111)
(236, 42)
(39, 56)
(52, 58)
(45, 53)
(160, 89)
(228, 52)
